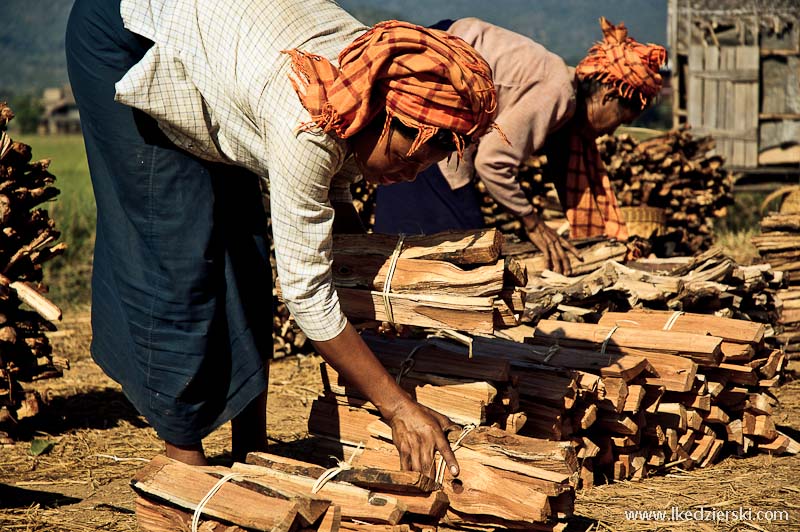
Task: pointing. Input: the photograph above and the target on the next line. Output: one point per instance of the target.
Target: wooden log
(738, 331)
(481, 489)
(458, 247)
(527, 355)
(468, 314)
(376, 479)
(184, 486)
(332, 520)
(699, 348)
(463, 401)
(154, 517)
(635, 398)
(614, 394)
(437, 356)
(355, 502)
(416, 276)
(30, 296)
(758, 425)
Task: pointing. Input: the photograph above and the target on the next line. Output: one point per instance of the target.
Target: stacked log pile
(273, 493)
(507, 479)
(674, 171)
(451, 280)
(709, 283)
(27, 240)
(707, 386)
(779, 245)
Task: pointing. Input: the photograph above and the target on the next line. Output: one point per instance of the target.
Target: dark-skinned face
(385, 160)
(605, 112)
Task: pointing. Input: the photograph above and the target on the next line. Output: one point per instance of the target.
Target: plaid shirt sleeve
(303, 168)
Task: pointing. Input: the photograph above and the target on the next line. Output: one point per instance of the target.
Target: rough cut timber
(457, 247)
(184, 486)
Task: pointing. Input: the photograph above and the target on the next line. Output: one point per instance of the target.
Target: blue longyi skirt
(182, 287)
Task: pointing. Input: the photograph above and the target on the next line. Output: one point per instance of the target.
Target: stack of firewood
(779, 245)
(506, 480)
(27, 241)
(366, 493)
(676, 172)
(709, 283)
(636, 394)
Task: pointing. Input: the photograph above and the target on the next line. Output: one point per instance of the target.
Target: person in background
(186, 107)
(543, 106)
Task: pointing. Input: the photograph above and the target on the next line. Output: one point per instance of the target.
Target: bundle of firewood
(779, 245)
(27, 240)
(451, 280)
(705, 385)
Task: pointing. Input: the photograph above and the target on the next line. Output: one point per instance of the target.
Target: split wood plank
(184, 486)
(458, 247)
(733, 330)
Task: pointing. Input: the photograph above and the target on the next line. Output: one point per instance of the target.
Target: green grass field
(73, 210)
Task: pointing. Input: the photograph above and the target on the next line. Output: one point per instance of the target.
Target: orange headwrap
(629, 66)
(426, 78)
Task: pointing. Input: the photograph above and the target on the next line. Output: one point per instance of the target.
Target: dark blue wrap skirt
(182, 286)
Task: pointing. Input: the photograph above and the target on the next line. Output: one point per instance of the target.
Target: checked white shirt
(219, 87)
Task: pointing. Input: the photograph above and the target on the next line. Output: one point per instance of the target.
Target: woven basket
(791, 202)
(645, 222)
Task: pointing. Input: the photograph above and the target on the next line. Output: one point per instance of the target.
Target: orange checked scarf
(426, 78)
(631, 68)
(618, 60)
(592, 208)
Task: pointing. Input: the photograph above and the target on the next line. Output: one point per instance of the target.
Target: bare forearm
(353, 360)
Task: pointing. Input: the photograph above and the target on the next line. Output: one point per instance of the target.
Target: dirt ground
(82, 484)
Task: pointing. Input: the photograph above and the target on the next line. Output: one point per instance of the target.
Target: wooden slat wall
(694, 87)
(748, 58)
(711, 95)
(723, 99)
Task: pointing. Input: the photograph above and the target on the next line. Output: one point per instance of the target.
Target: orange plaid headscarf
(631, 67)
(426, 78)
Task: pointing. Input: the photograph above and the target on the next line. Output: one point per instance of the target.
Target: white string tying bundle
(213, 491)
(672, 319)
(551, 352)
(329, 474)
(440, 463)
(458, 337)
(605, 342)
(387, 285)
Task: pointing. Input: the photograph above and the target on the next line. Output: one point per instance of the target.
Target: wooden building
(736, 76)
(60, 112)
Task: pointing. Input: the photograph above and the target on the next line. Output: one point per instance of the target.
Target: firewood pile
(273, 493)
(779, 245)
(26, 242)
(674, 172)
(708, 283)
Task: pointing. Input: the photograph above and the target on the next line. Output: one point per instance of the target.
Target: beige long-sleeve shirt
(535, 97)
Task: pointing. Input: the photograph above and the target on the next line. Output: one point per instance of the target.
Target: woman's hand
(554, 246)
(417, 432)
